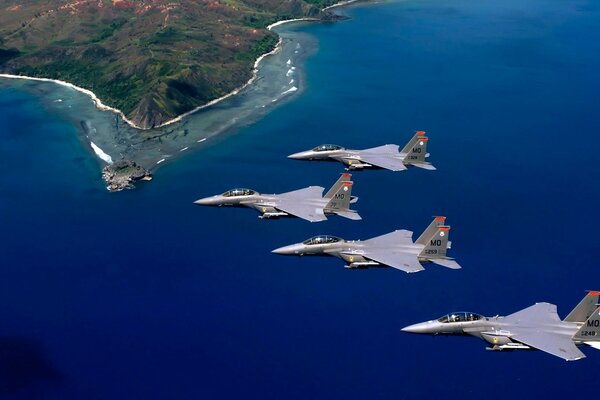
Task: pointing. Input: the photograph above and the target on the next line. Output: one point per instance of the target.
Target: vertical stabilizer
(590, 330)
(431, 230)
(340, 202)
(341, 198)
(416, 149)
(337, 185)
(585, 308)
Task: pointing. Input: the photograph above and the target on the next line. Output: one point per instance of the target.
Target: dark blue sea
(143, 295)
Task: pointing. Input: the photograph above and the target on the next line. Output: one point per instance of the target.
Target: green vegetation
(259, 21)
(108, 30)
(151, 59)
(262, 46)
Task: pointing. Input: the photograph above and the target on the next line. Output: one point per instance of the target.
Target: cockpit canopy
(328, 147)
(460, 317)
(323, 239)
(238, 192)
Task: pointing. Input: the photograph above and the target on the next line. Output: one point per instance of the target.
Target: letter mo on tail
(341, 198)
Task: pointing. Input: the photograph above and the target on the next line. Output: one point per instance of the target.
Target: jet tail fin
(412, 142)
(590, 330)
(416, 151)
(436, 247)
(340, 200)
(585, 308)
(431, 230)
(345, 177)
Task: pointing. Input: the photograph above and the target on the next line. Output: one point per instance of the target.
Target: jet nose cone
(423, 327)
(290, 250)
(207, 201)
(303, 155)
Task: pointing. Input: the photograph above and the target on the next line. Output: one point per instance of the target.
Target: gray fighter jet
(396, 249)
(308, 203)
(536, 327)
(385, 157)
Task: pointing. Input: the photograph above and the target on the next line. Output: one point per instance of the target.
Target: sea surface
(143, 295)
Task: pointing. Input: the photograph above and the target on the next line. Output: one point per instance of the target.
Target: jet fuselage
(351, 252)
(351, 158)
(493, 330)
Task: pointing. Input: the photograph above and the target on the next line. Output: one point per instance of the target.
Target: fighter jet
(536, 327)
(308, 203)
(384, 157)
(396, 249)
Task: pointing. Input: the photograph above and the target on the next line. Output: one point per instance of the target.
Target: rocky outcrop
(121, 175)
(329, 16)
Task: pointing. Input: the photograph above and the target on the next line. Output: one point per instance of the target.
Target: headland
(113, 136)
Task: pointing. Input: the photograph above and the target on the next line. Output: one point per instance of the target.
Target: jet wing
(533, 326)
(386, 161)
(386, 156)
(537, 314)
(395, 259)
(391, 149)
(310, 192)
(398, 237)
(302, 210)
(381, 249)
(558, 345)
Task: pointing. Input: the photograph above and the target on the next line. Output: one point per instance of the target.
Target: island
(151, 60)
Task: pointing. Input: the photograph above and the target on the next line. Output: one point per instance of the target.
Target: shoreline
(101, 106)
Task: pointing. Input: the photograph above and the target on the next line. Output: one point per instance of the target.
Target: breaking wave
(290, 90)
(101, 154)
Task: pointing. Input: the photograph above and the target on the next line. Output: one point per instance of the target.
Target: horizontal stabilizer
(426, 166)
(446, 262)
(350, 214)
(595, 345)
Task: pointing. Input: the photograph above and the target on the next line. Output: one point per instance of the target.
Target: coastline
(101, 106)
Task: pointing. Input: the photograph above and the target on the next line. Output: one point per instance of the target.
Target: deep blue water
(141, 294)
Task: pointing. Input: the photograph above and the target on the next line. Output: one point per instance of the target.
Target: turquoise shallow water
(141, 294)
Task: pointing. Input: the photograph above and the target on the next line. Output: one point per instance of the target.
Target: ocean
(142, 294)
